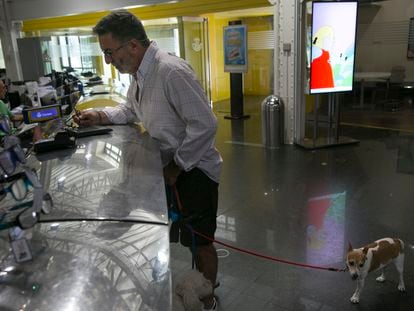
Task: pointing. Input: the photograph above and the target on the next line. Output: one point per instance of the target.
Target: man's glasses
(110, 52)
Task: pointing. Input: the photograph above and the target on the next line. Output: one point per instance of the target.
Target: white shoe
(214, 307)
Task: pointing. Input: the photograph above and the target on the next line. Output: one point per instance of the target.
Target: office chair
(389, 94)
(14, 99)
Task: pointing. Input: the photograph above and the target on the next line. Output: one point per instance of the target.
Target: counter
(105, 243)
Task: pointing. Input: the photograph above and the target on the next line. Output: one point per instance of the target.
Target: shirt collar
(147, 61)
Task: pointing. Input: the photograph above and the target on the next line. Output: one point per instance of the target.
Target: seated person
(4, 110)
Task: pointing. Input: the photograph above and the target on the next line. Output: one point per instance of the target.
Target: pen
(78, 114)
(75, 112)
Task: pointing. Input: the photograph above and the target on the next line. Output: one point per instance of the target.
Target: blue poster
(235, 48)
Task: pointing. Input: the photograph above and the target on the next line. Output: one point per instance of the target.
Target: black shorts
(199, 199)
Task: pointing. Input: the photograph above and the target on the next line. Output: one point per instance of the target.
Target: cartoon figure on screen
(321, 69)
(343, 67)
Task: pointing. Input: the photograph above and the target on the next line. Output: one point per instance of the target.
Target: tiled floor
(305, 206)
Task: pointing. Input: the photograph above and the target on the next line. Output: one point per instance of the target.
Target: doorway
(194, 48)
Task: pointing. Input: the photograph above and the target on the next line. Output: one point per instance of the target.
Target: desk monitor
(41, 114)
(332, 46)
(48, 98)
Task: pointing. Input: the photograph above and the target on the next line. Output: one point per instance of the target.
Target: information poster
(235, 48)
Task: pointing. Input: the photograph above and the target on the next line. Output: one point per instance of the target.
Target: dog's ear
(365, 251)
(350, 248)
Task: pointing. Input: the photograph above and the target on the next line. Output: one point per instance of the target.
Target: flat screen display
(333, 46)
(41, 114)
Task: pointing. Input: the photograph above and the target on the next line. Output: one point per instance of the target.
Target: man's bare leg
(207, 263)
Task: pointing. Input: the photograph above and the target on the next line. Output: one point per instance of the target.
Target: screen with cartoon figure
(333, 46)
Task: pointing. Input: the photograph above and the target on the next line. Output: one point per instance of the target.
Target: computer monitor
(48, 99)
(332, 50)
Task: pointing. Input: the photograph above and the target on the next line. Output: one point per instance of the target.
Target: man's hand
(87, 118)
(171, 172)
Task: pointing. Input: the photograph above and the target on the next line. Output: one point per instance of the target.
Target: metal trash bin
(272, 122)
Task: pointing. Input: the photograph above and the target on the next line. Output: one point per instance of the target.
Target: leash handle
(177, 197)
(176, 217)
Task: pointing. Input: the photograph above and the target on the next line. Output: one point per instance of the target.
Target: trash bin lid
(273, 100)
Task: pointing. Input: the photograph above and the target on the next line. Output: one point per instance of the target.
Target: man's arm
(171, 172)
(121, 114)
(186, 95)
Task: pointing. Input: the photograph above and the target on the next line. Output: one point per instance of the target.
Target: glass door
(194, 48)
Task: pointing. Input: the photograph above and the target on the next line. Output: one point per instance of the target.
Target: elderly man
(167, 98)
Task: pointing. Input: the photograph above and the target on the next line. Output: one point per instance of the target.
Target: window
(78, 52)
(2, 65)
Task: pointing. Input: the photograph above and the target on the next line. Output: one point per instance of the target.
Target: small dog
(374, 257)
(190, 288)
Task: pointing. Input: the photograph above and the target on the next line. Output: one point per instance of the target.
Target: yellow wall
(194, 30)
(258, 78)
(220, 80)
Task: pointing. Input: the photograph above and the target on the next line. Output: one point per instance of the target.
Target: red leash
(252, 252)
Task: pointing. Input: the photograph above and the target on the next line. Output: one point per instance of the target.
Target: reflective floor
(304, 206)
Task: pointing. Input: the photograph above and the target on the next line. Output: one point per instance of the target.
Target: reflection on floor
(394, 120)
(305, 206)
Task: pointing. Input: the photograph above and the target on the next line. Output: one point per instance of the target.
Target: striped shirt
(174, 110)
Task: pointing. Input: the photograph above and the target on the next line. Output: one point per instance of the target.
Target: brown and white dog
(372, 257)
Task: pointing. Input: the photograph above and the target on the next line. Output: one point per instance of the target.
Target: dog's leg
(360, 286)
(399, 264)
(381, 278)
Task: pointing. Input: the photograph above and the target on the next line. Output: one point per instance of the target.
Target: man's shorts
(199, 199)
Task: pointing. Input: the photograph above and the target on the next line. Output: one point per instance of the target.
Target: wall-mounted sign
(235, 48)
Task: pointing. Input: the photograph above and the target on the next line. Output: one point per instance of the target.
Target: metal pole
(315, 119)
